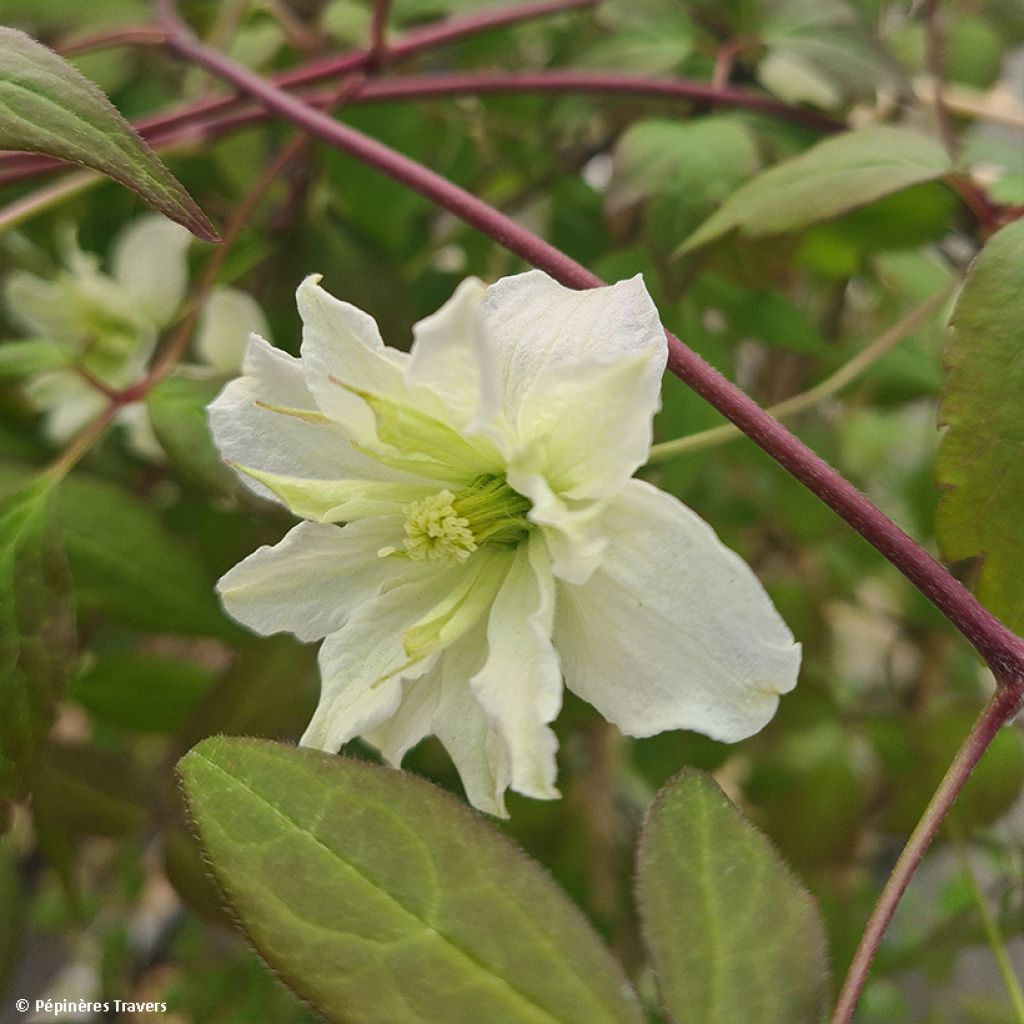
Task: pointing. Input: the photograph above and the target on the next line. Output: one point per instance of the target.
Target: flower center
(449, 527)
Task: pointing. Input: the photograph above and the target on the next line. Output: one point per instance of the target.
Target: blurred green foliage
(102, 868)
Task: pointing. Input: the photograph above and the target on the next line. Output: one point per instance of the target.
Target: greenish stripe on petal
(338, 501)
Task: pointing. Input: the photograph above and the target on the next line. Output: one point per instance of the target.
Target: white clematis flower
(495, 541)
(108, 324)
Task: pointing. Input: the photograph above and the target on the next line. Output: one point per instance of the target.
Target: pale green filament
(448, 527)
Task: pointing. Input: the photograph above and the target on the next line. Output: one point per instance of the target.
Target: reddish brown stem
(1003, 706)
(16, 167)
(1002, 649)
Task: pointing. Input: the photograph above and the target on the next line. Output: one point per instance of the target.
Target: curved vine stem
(1000, 709)
(831, 385)
(999, 646)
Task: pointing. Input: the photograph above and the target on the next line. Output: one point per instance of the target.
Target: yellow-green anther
(449, 527)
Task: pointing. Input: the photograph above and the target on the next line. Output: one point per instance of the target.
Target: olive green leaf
(377, 897)
(732, 934)
(980, 464)
(833, 177)
(36, 630)
(46, 106)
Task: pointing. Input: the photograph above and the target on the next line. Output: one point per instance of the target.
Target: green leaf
(141, 691)
(377, 897)
(837, 175)
(126, 563)
(86, 791)
(13, 913)
(979, 464)
(46, 106)
(686, 168)
(20, 358)
(36, 630)
(732, 934)
(177, 412)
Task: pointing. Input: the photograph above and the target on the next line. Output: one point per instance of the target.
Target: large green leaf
(46, 106)
(36, 630)
(382, 900)
(127, 564)
(837, 175)
(979, 464)
(732, 934)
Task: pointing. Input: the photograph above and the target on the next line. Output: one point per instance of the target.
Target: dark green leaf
(979, 463)
(46, 106)
(36, 630)
(86, 791)
(378, 897)
(837, 175)
(141, 691)
(13, 916)
(177, 411)
(732, 934)
(125, 563)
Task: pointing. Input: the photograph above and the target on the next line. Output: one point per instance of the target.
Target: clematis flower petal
(474, 745)
(339, 501)
(363, 664)
(446, 352)
(342, 352)
(589, 428)
(414, 717)
(248, 431)
(573, 531)
(149, 262)
(538, 329)
(312, 580)
(226, 321)
(673, 630)
(520, 684)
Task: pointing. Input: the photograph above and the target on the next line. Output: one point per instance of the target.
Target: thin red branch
(1001, 648)
(17, 167)
(1000, 710)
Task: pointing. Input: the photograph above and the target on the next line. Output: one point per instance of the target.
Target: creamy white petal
(248, 430)
(589, 428)
(520, 684)
(414, 718)
(673, 630)
(311, 581)
(150, 262)
(537, 329)
(338, 501)
(573, 531)
(342, 350)
(445, 354)
(362, 665)
(226, 320)
(474, 745)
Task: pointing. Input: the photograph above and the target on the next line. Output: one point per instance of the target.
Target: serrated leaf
(36, 630)
(979, 462)
(732, 934)
(377, 897)
(840, 174)
(46, 106)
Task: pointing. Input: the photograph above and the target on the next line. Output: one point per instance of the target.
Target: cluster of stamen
(448, 527)
(434, 530)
